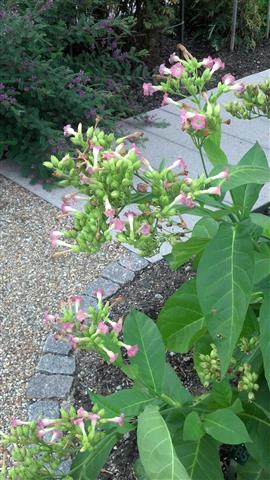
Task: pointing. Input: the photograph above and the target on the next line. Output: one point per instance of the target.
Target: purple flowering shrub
(59, 61)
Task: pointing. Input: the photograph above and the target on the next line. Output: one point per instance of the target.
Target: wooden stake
(268, 20)
(234, 21)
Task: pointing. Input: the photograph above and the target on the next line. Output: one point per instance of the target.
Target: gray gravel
(32, 281)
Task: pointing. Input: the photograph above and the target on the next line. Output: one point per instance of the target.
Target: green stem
(202, 159)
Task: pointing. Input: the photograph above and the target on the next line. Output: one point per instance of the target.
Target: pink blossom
(228, 79)
(142, 187)
(145, 229)
(132, 350)
(117, 225)
(15, 422)
(59, 243)
(136, 150)
(94, 419)
(84, 180)
(45, 422)
(108, 155)
(109, 211)
(99, 293)
(80, 423)
(149, 89)
(69, 131)
(239, 87)
(221, 175)
(73, 341)
(54, 235)
(208, 62)
(116, 326)
(90, 170)
(179, 163)
(212, 191)
(112, 355)
(164, 70)
(198, 122)
(185, 200)
(48, 317)
(82, 413)
(67, 326)
(41, 433)
(165, 100)
(102, 328)
(174, 58)
(66, 209)
(217, 65)
(185, 117)
(118, 420)
(77, 300)
(81, 315)
(177, 70)
(55, 435)
(188, 181)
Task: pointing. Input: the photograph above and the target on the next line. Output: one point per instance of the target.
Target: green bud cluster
(210, 366)
(246, 345)
(247, 383)
(253, 102)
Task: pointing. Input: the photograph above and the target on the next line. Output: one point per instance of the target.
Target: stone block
(49, 386)
(56, 364)
(56, 346)
(43, 409)
(117, 273)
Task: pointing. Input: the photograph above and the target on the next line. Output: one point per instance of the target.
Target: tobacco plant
(222, 315)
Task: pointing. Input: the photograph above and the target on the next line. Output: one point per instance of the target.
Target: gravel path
(32, 281)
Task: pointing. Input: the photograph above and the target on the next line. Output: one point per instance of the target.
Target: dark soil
(239, 63)
(146, 293)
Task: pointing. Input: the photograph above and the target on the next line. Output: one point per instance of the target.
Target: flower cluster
(91, 329)
(210, 366)
(190, 76)
(40, 447)
(109, 177)
(248, 344)
(253, 101)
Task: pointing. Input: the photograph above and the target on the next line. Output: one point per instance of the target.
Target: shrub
(60, 61)
(222, 315)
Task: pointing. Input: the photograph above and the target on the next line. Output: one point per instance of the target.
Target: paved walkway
(170, 142)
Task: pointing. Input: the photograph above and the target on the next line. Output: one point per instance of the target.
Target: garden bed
(146, 293)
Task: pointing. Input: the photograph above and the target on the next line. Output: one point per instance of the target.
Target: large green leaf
(263, 221)
(183, 251)
(262, 266)
(246, 195)
(200, 458)
(258, 426)
(193, 429)
(129, 401)
(245, 174)
(265, 336)
(226, 427)
(205, 228)
(224, 285)
(181, 320)
(150, 359)
(173, 392)
(215, 153)
(88, 464)
(251, 471)
(156, 449)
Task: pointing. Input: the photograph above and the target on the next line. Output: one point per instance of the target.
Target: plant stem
(202, 159)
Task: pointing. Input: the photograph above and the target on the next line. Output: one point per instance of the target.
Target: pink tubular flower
(67, 209)
(220, 176)
(116, 326)
(84, 180)
(228, 79)
(102, 328)
(132, 350)
(118, 420)
(94, 419)
(55, 435)
(117, 225)
(69, 131)
(15, 422)
(208, 62)
(179, 163)
(59, 243)
(173, 58)
(149, 89)
(198, 122)
(217, 65)
(54, 235)
(48, 317)
(212, 191)
(45, 422)
(239, 87)
(109, 211)
(99, 293)
(76, 300)
(145, 229)
(81, 315)
(112, 356)
(80, 423)
(96, 150)
(177, 70)
(73, 341)
(82, 413)
(67, 327)
(164, 70)
(184, 200)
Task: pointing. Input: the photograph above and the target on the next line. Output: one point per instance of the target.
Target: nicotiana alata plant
(222, 315)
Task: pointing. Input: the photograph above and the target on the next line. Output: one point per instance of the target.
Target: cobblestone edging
(50, 387)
